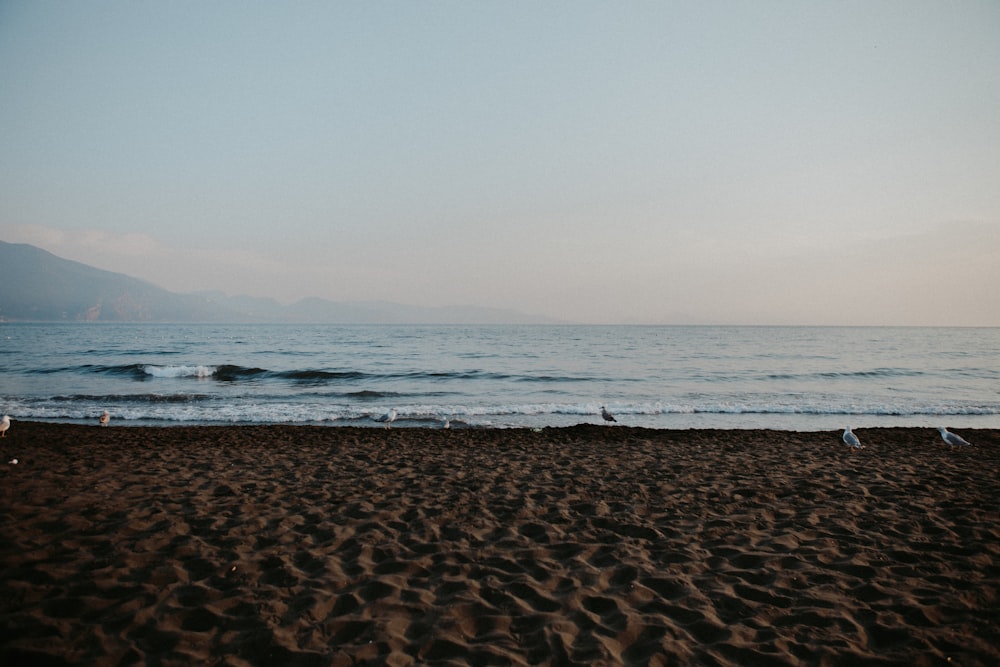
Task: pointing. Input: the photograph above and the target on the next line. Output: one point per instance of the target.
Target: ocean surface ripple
(503, 376)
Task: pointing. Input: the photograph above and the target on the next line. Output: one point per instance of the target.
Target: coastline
(575, 545)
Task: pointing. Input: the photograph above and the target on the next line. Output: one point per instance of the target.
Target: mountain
(36, 285)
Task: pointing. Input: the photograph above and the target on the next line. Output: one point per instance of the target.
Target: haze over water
(803, 378)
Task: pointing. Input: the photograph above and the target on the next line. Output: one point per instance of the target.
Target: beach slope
(295, 545)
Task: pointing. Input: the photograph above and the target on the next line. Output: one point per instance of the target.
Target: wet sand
(605, 545)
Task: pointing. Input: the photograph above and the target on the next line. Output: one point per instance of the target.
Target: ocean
(800, 378)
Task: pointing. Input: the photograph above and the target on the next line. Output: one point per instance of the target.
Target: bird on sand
(4, 425)
(105, 418)
(608, 417)
(388, 418)
(951, 439)
(850, 439)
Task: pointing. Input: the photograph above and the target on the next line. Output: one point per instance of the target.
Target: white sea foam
(180, 371)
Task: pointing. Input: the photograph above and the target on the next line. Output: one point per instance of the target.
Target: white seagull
(850, 439)
(4, 425)
(608, 417)
(105, 418)
(951, 439)
(388, 417)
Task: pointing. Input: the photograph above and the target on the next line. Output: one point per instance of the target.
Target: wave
(307, 376)
(364, 407)
(180, 371)
(717, 409)
(368, 395)
(112, 399)
(232, 373)
(448, 375)
(272, 403)
(221, 373)
(833, 375)
(134, 371)
(977, 373)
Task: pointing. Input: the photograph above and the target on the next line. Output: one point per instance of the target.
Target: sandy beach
(589, 545)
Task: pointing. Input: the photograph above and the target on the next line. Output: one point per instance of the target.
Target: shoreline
(586, 544)
(779, 424)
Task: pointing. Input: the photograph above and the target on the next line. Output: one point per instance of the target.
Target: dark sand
(586, 545)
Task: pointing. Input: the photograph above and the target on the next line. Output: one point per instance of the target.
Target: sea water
(803, 378)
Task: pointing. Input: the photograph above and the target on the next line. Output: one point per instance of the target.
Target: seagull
(388, 417)
(850, 439)
(608, 417)
(445, 423)
(951, 439)
(4, 425)
(105, 418)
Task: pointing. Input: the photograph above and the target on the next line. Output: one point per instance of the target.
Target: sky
(761, 162)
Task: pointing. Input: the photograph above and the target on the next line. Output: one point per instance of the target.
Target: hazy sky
(675, 162)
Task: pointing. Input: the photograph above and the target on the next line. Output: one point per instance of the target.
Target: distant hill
(36, 285)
